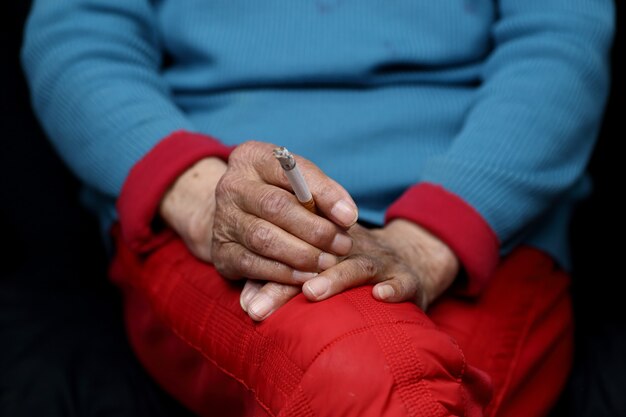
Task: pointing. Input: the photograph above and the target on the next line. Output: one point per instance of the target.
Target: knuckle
(217, 241)
(227, 188)
(221, 189)
(250, 144)
(260, 237)
(227, 185)
(246, 262)
(367, 265)
(274, 204)
(244, 150)
(328, 189)
(278, 291)
(320, 234)
(307, 261)
(239, 151)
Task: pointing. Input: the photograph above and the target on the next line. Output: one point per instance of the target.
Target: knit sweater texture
(499, 103)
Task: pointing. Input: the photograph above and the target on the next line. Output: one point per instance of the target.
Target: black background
(46, 233)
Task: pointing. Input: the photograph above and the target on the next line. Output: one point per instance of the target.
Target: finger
(269, 298)
(234, 261)
(351, 272)
(281, 208)
(403, 287)
(250, 289)
(259, 158)
(331, 199)
(272, 242)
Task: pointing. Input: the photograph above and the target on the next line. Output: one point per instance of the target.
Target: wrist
(431, 258)
(192, 195)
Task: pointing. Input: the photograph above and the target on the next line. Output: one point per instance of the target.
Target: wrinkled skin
(242, 217)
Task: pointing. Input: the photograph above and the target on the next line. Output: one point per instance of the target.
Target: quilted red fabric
(350, 355)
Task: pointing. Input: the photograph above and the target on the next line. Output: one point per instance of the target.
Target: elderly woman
(444, 144)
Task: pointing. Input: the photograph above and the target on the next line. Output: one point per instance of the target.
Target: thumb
(402, 287)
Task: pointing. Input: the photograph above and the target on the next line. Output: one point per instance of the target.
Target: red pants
(506, 353)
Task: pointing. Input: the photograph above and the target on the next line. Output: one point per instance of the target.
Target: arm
(94, 71)
(525, 143)
(527, 138)
(93, 67)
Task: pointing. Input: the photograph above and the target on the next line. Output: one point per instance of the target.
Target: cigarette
(288, 163)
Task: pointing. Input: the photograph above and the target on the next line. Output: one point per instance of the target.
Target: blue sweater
(498, 102)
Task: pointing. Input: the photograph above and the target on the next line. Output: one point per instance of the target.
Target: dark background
(63, 349)
(52, 249)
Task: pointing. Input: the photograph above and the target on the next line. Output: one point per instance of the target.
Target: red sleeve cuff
(456, 223)
(151, 177)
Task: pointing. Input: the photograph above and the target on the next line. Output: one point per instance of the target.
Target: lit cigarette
(288, 163)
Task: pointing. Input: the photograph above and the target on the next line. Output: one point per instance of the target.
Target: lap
(331, 355)
(520, 332)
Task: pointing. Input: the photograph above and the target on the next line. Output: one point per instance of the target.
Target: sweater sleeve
(93, 67)
(528, 136)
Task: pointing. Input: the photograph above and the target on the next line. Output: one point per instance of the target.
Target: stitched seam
(214, 362)
(263, 345)
(298, 405)
(241, 381)
(461, 375)
(355, 332)
(410, 399)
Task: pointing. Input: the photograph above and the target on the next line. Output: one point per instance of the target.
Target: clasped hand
(242, 218)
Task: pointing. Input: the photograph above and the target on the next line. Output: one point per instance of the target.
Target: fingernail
(260, 306)
(326, 260)
(318, 287)
(303, 276)
(345, 212)
(385, 291)
(341, 244)
(245, 298)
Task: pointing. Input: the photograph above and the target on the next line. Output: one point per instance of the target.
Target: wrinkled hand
(261, 231)
(406, 263)
(243, 218)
